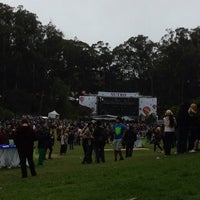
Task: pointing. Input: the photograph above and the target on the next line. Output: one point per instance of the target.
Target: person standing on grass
(87, 142)
(157, 137)
(129, 138)
(119, 129)
(193, 128)
(43, 141)
(24, 140)
(71, 138)
(149, 134)
(63, 143)
(99, 142)
(182, 128)
(169, 131)
(50, 143)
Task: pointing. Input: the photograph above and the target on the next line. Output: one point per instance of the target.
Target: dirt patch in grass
(135, 149)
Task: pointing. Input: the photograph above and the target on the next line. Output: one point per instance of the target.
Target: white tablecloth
(9, 156)
(138, 142)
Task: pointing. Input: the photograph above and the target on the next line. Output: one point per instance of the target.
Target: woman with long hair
(169, 131)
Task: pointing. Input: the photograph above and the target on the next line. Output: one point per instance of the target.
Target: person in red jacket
(24, 140)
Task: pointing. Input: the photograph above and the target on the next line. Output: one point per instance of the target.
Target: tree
(21, 41)
(102, 63)
(60, 95)
(78, 69)
(178, 67)
(6, 23)
(133, 61)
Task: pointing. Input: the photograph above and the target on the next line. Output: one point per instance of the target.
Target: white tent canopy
(53, 115)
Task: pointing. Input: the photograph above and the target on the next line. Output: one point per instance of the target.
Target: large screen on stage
(118, 106)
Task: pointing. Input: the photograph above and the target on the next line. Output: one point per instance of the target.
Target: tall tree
(178, 67)
(133, 61)
(102, 65)
(6, 23)
(78, 65)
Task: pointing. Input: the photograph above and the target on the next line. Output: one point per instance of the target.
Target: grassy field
(141, 177)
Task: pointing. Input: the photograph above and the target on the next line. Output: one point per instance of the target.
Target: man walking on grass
(119, 129)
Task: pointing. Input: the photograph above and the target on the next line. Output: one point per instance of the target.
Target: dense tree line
(40, 69)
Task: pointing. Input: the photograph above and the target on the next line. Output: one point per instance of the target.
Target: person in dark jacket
(157, 137)
(129, 138)
(63, 143)
(71, 138)
(193, 127)
(24, 140)
(87, 143)
(182, 128)
(99, 142)
(43, 142)
(50, 143)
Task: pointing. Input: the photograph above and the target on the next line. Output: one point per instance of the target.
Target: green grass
(142, 177)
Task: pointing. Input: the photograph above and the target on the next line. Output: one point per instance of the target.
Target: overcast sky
(113, 21)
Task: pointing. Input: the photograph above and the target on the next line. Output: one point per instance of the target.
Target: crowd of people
(181, 131)
(92, 135)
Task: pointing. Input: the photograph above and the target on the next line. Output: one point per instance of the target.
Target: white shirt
(167, 127)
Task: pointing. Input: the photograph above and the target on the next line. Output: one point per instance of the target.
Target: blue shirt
(118, 130)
